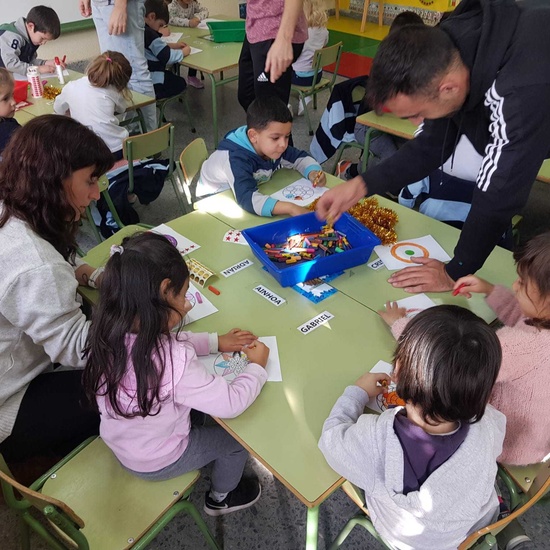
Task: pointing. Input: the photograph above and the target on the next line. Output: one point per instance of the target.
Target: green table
(43, 106)
(282, 428)
(362, 283)
(544, 172)
(389, 124)
(23, 117)
(214, 59)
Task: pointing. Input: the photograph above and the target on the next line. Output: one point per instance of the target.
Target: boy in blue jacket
(159, 54)
(249, 155)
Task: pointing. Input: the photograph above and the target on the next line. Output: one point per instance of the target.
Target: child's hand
(186, 50)
(465, 286)
(47, 67)
(235, 340)
(318, 178)
(392, 313)
(257, 352)
(165, 31)
(194, 22)
(374, 383)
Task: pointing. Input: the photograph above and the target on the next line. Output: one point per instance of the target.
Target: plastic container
(361, 239)
(35, 80)
(227, 31)
(20, 90)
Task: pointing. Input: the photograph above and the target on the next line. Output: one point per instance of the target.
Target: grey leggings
(207, 444)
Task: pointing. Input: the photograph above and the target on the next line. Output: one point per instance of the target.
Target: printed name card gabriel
(316, 322)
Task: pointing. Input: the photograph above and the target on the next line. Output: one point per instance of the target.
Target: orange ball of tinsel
(378, 219)
(51, 92)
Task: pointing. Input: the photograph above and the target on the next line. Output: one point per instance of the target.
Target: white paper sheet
(202, 306)
(215, 363)
(53, 74)
(375, 403)
(172, 38)
(183, 244)
(203, 23)
(415, 304)
(399, 255)
(194, 50)
(300, 192)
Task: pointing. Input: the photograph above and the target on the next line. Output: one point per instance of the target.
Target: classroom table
(362, 283)
(214, 59)
(282, 428)
(43, 106)
(389, 124)
(23, 117)
(544, 172)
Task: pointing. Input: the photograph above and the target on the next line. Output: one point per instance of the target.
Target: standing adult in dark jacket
(483, 74)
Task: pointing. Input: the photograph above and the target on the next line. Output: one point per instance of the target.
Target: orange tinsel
(381, 221)
(51, 92)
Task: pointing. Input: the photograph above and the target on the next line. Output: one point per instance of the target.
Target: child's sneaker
(195, 82)
(341, 169)
(246, 494)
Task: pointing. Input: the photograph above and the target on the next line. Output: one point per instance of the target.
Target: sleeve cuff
(213, 345)
(269, 205)
(357, 393)
(310, 169)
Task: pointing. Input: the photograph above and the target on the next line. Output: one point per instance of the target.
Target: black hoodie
(506, 116)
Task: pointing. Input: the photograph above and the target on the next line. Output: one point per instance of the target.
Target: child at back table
(415, 463)
(188, 13)
(160, 55)
(95, 99)
(249, 155)
(521, 391)
(8, 124)
(317, 38)
(20, 40)
(146, 379)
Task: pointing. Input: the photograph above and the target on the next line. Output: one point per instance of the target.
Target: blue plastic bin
(361, 239)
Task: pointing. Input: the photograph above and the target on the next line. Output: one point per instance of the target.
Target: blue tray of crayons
(354, 250)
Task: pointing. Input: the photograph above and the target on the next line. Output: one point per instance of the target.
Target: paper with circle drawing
(400, 255)
(202, 306)
(300, 192)
(387, 368)
(219, 363)
(183, 244)
(415, 304)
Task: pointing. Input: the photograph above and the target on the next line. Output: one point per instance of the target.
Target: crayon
(214, 290)
(199, 297)
(457, 290)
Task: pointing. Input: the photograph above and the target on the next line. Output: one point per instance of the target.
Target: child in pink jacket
(147, 380)
(521, 391)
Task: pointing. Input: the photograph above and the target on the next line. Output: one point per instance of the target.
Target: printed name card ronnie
(316, 322)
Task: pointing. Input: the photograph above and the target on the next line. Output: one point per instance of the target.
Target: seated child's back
(249, 155)
(428, 469)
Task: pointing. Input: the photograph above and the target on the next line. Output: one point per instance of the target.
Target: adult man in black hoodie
(482, 73)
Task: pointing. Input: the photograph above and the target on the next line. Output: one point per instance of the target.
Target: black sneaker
(246, 494)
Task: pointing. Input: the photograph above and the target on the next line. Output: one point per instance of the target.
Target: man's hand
(117, 21)
(337, 200)
(85, 8)
(278, 59)
(429, 276)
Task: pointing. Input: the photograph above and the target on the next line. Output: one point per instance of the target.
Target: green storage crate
(227, 31)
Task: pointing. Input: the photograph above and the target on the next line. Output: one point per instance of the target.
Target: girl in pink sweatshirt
(521, 391)
(147, 380)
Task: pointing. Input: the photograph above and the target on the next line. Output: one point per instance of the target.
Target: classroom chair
(103, 184)
(135, 120)
(323, 57)
(91, 502)
(190, 164)
(182, 98)
(483, 539)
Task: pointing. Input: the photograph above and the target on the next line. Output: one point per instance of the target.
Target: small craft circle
(404, 252)
(298, 192)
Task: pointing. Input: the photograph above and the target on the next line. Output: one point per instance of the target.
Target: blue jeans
(130, 44)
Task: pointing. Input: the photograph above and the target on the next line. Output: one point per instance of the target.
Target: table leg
(214, 109)
(312, 528)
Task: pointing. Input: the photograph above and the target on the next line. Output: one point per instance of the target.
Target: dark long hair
(533, 266)
(448, 360)
(38, 159)
(131, 301)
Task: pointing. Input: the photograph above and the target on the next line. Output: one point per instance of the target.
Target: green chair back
(191, 160)
(482, 539)
(120, 510)
(321, 58)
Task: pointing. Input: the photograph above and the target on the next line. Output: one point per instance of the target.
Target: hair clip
(108, 59)
(116, 248)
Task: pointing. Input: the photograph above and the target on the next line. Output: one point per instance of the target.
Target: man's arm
(280, 55)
